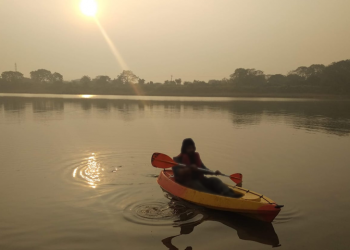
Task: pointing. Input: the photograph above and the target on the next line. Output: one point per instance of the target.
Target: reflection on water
(107, 200)
(190, 216)
(86, 96)
(47, 105)
(187, 216)
(90, 172)
(315, 115)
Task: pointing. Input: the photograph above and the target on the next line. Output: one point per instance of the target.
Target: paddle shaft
(207, 171)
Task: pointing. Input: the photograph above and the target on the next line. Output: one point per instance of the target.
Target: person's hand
(217, 172)
(193, 167)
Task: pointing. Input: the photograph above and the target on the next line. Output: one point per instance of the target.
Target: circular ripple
(159, 213)
(153, 210)
(150, 213)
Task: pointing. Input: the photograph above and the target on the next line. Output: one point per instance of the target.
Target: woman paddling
(191, 177)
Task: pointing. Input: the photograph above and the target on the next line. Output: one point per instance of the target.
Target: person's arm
(176, 159)
(217, 172)
(203, 166)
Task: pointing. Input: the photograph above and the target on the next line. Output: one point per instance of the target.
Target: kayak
(250, 204)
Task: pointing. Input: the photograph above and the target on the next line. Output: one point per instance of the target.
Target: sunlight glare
(91, 172)
(88, 7)
(86, 96)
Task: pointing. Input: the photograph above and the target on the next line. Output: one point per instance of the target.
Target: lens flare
(112, 47)
(89, 8)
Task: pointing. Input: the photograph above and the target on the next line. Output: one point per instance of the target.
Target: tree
(277, 79)
(316, 70)
(300, 71)
(337, 73)
(178, 81)
(141, 81)
(248, 76)
(197, 82)
(294, 79)
(11, 76)
(41, 75)
(85, 80)
(314, 80)
(102, 79)
(167, 82)
(57, 78)
(128, 77)
(117, 81)
(306, 72)
(225, 81)
(214, 82)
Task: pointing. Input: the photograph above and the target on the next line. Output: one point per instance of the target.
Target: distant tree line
(315, 79)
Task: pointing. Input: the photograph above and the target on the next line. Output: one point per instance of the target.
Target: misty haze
(174, 124)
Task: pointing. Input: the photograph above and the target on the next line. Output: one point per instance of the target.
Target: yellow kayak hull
(250, 204)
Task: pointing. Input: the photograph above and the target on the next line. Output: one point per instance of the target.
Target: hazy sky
(189, 39)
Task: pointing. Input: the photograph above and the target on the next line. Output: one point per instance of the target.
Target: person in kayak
(191, 177)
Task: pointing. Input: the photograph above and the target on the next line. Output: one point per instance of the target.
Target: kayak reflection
(247, 228)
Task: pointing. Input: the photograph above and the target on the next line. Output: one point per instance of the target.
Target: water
(75, 171)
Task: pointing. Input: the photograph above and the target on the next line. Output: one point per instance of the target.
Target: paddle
(160, 160)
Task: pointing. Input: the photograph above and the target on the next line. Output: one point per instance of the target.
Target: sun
(88, 7)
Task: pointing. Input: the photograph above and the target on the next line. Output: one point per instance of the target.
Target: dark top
(176, 159)
(176, 169)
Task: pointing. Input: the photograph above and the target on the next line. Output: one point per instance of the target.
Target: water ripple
(287, 214)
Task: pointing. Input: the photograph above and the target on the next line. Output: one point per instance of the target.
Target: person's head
(188, 146)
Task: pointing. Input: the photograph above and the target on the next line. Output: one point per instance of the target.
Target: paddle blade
(160, 160)
(237, 178)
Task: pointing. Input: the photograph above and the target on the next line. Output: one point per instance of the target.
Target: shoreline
(238, 95)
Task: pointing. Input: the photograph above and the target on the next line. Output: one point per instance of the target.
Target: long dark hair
(185, 143)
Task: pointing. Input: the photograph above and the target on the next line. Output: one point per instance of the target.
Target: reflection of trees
(44, 108)
(47, 104)
(331, 117)
(85, 104)
(14, 111)
(102, 105)
(242, 120)
(174, 107)
(327, 116)
(12, 105)
(244, 113)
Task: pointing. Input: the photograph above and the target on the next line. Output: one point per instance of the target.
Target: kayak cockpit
(244, 194)
(170, 176)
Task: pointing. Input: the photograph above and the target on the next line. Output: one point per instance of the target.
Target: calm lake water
(75, 171)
